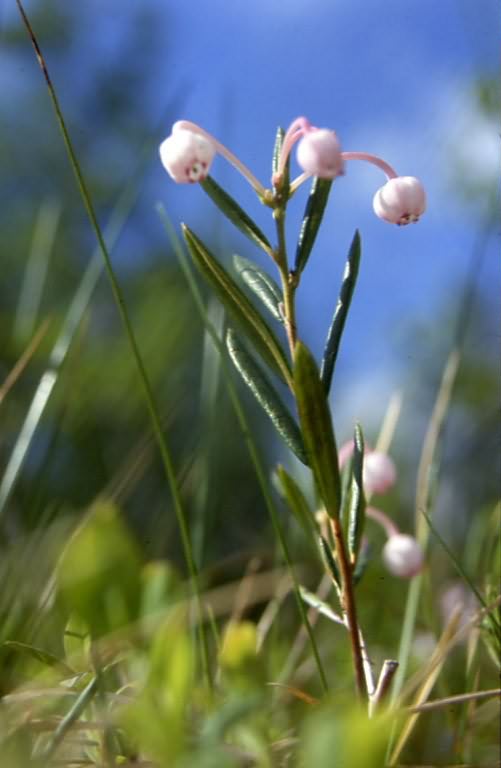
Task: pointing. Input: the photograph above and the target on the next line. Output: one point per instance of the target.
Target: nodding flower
(402, 553)
(319, 154)
(403, 556)
(186, 155)
(379, 471)
(402, 200)
(188, 152)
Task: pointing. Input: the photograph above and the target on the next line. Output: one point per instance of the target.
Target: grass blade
(119, 298)
(293, 495)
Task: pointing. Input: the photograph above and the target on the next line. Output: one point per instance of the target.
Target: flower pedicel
(189, 150)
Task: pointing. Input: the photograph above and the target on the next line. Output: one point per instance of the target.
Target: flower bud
(186, 155)
(319, 154)
(379, 473)
(403, 556)
(402, 200)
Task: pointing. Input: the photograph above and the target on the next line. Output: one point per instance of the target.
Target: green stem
(288, 279)
(349, 607)
(124, 316)
(260, 473)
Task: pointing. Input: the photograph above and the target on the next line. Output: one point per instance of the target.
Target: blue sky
(395, 78)
(392, 77)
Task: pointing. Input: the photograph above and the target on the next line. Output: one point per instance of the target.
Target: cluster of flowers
(188, 152)
(402, 553)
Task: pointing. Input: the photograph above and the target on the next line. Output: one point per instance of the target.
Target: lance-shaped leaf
(277, 148)
(40, 655)
(320, 605)
(356, 515)
(261, 284)
(266, 395)
(317, 429)
(313, 214)
(341, 312)
(296, 501)
(239, 307)
(329, 562)
(235, 213)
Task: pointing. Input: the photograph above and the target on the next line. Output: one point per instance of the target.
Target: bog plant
(108, 661)
(268, 369)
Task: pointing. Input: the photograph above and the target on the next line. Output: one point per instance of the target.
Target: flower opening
(402, 200)
(186, 155)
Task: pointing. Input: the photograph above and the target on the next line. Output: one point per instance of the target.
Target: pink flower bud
(186, 155)
(379, 473)
(403, 556)
(319, 154)
(402, 200)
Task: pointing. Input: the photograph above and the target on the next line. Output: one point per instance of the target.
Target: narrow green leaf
(235, 213)
(313, 214)
(261, 284)
(43, 657)
(329, 562)
(317, 429)
(277, 147)
(293, 495)
(320, 605)
(266, 395)
(239, 307)
(341, 312)
(356, 516)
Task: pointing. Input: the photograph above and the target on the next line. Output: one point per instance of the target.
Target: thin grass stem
(136, 354)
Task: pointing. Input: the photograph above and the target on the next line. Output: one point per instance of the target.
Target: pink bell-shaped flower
(186, 155)
(402, 200)
(379, 473)
(403, 556)
(319, 154)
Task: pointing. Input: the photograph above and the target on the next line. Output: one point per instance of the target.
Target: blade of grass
(149, 397)
(423, 501)
(435, 665)
(251, 446)
(36, 269)
(23, 361)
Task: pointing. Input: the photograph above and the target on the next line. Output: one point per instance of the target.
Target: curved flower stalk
(189, 143)
(189, 150)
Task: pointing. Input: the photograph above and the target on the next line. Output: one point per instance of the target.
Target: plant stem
(249, 441)
(124, 316)
(349, 607)
(289, 283)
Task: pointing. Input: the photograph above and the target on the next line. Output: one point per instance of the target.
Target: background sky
(395, 78)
